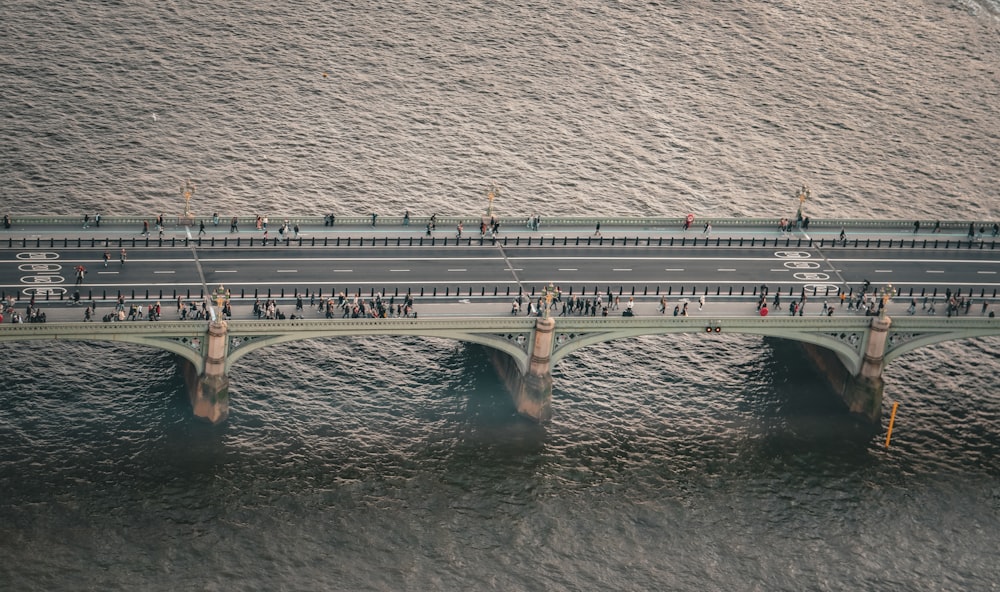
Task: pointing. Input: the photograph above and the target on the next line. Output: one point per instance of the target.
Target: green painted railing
(471, 222)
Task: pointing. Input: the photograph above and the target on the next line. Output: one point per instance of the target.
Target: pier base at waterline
(862, 393)
(209, 392)
(531, 392)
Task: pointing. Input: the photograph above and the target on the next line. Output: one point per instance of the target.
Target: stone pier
(209, 392)
(531, 392)
(862, 393)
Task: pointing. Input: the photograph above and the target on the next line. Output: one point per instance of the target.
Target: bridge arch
(512, 339)
(847, 346)
(186, 339)
(902, 342)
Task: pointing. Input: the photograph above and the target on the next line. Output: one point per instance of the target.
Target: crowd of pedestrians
(32, 313)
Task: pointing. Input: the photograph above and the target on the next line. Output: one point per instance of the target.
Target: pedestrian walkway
(242, 309)
(414, 226)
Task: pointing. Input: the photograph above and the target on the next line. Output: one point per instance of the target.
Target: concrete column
(531, 392)
(878, 334)
(534, 398)
(210, 392)
(863, 393)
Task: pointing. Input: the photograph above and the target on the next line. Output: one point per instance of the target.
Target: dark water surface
(673, 463)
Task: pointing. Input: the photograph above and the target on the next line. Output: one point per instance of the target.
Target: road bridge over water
(463, 289)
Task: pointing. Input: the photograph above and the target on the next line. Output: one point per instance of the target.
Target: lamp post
(888, 292)
(802, 195)
(187, 190)
(493, 192)
(549, 292)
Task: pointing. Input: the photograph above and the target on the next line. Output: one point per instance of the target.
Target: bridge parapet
(388, 222)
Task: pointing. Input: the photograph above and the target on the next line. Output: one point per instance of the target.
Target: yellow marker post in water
(892, 420)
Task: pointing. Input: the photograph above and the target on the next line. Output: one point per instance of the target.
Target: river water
(672, 463)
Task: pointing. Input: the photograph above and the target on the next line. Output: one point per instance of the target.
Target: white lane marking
(726, 269)
(107, 273)
(515, 269)
(883, 271)
(225, 271)
(164, 272)
(287, 271)
(935, 271)
(987, 272)
(399, 270)
(343, 270)
(568, 269)
(621, 269)
(674, 269)
(457, 270)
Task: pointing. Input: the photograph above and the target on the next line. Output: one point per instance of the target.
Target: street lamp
(187, 190)
(888, 292)
(802, 195)
(549, 292)
(493, 192)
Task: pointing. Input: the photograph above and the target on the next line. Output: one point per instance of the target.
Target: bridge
(464, 288)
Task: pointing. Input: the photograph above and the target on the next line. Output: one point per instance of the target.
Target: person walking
(201, 228)
(124, 256)
(597, 231)
(107, 257)
(234, 225)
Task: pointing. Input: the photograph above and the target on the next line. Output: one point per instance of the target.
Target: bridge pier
(209, 392)
(531, 392)
(862, 393)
